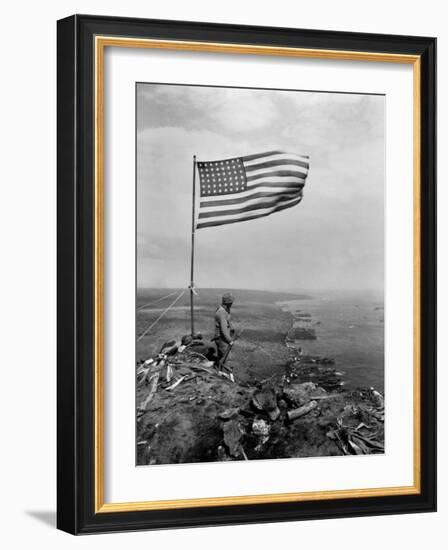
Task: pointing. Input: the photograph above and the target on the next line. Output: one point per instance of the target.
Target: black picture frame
(76, 512)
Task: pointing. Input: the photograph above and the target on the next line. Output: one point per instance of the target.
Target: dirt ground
(201, 416)
(281, 405)
(262, 326)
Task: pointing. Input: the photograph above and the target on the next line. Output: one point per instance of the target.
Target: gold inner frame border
(100, 43)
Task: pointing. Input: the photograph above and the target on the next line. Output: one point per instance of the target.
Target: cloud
(220, 108)
(242, 112)
(334, 237)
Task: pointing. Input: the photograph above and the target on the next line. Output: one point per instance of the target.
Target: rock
(266, 400)
(222, 456)
(229, 413)
(282, 405)
(206, 418)
(189, 427)
(168, 344)
(186, 339)
(274, 414)
(260, 427)
(296, 397)
(301, 394)
(169, 348)
(316, 369)
(308, 387)
(232, 437)
(377, 398)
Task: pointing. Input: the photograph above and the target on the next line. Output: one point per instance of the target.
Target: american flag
(245, 188)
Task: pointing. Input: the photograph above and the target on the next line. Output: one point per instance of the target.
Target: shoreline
(267, 343)
(350, 332)
(285, 403)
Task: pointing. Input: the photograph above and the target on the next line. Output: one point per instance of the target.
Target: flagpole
(193, 227)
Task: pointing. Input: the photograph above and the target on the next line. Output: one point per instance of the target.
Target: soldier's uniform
(223, 326)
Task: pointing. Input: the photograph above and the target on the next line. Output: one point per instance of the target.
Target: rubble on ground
(188, 411)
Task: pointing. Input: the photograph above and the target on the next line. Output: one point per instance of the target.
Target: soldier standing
(223, 327)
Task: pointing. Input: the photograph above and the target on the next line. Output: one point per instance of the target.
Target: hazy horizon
(334, 239)
(303, 291)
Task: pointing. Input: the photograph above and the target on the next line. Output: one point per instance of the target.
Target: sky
(332, 240)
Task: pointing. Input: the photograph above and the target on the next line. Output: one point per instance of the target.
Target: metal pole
(193, 227)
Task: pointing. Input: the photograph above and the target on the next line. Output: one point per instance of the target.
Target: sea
(349, 330)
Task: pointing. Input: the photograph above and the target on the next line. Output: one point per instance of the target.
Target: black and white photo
(260, 273)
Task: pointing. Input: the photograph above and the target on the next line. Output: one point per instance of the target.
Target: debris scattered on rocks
(301, 411)
(189, 412)
(316, 369)
(179, 381)
(152, 390)
(261, 430)
(300, 394)
(354, 440)
(260, 427)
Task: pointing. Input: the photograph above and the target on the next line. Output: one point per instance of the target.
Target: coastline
(350, 330)
(285, 403)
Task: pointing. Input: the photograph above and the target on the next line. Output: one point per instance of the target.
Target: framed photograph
(246, 274)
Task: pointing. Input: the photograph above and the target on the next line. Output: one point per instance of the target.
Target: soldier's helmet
(227, 298)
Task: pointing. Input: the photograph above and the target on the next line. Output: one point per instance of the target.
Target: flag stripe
(247, 218)
(261, 155)
(246, 199)
(250, 158)
(264, 174)
(278, 185)
(286, 187)
(258, 206)
(242, 215)
(277, 162)
(277, 181)
(277, 156)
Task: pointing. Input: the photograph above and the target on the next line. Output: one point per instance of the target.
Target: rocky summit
(188, 411)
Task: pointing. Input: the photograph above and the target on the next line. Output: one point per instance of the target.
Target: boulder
(265, 399)
(301, 394)
(232, 437)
